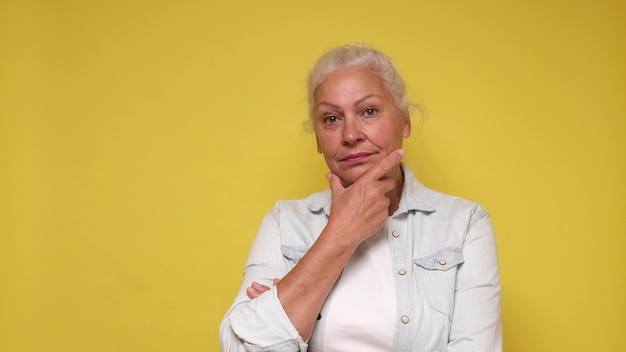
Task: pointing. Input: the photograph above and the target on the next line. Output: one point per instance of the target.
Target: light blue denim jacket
(444, 258)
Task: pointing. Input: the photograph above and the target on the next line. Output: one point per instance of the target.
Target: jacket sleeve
(476, 321)
(261, 324)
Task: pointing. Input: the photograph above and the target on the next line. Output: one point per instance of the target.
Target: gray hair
(358, 55)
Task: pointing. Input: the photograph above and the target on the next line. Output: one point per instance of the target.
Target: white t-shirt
(362, 312)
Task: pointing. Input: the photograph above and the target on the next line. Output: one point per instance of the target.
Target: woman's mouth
(356, 157)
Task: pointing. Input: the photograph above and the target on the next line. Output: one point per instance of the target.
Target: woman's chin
(348, 178)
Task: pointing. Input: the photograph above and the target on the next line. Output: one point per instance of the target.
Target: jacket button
(401, 271)
(395, 234)
(404, 319)
(443, 261)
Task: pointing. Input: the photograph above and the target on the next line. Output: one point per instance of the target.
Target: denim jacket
(446, 277)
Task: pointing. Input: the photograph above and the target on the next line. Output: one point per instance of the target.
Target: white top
(362, 312)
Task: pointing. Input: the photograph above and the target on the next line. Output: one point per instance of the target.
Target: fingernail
(401, 152)
(329, 176)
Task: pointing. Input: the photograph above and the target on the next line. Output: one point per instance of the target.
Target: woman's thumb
(333, 181)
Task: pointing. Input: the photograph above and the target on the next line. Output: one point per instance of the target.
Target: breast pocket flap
(443, 259)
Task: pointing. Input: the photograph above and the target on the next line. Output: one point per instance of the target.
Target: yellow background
(141, 142)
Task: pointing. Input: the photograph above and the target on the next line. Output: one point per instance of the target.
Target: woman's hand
(363, 207)
(256, 289)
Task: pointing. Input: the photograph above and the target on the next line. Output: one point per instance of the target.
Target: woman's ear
(406, 128)
(317, 141)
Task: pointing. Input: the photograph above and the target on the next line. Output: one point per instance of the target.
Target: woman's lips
(356, 157)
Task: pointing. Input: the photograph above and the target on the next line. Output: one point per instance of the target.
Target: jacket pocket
(436, 276)
(292, 255)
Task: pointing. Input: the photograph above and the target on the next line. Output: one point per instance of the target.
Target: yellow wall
(141, 142)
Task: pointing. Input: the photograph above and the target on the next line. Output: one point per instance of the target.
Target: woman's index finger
(381, 168)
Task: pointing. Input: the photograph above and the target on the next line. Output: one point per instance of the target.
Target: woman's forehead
(348, 82)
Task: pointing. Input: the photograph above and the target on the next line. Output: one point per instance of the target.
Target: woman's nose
(351, 132)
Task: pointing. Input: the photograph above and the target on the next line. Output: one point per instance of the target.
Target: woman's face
(356, 122)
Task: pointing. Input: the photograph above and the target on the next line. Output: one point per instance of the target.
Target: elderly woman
(376, 262)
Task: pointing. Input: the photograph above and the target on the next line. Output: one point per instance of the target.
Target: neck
(396, 193)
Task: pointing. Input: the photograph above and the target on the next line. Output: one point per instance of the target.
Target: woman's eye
(369, 112)
(330, 119)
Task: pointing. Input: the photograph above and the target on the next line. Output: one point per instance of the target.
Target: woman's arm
(239, 332)
(476, 322)
(357, 212)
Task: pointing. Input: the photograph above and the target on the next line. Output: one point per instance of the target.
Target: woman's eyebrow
(366, 97)
(327, 104)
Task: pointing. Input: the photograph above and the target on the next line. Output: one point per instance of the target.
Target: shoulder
(316, 203)
(439, 204)
(300, 221)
